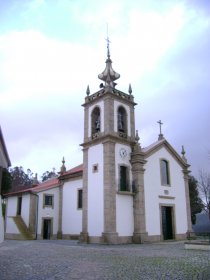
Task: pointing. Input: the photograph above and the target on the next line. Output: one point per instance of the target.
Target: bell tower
(109, 136)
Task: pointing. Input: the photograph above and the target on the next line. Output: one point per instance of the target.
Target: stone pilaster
(109, 235)
(137, 163)
(187, 197)
(108, 114)
(33, 213)
(132, 121)
(60, 213)
(84, 234)
(86, 123)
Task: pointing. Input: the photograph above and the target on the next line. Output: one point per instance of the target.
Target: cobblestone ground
(63, 260)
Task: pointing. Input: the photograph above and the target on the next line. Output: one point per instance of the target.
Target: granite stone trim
(96, 239)
(97, 96)
(108, 114)
(154, 238)
(71, 236)
(187, 198)
(112, 136)
(51, 227)
(16, 236)
(33, 213)
(52, 237)
(125, 193)
(168, 173)
(173, 206)
(48, 206)
(86, 123)
(159, 238)
(166, 197)
(84, 234)
(111, 238)
(60, 212)
(132, 121)
(137, 162)
(109, 188)
(181, 236)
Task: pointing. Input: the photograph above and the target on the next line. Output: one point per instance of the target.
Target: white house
(4, 163)
(122, 192)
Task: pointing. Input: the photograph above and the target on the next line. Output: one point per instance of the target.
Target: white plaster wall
(101, 106)
(71, 215)
(124, 203)
(116, 105)
(95, 191)
(25, 208)
(48, 212)
(153, 189)
(11, 226)
(124, 215)
(1, 224)
(12, 206)
(11, 211)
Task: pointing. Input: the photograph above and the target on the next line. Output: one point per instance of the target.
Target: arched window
(164, 168)
(95, 120)
(121, 120)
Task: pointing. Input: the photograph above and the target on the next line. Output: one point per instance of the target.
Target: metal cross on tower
(160, 137)
(108, 41)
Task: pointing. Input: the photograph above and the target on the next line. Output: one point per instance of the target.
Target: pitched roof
(72, 173)
(153, 146)
(76, 169)
(49, 184)
(2, 143)
(164, 143)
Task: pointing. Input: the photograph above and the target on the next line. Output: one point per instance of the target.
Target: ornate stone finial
(88, 91)
(129, 89)
(160, 137)
(137, 146)
(35, 181)
(63, 167)
(137, 138)
(183, 154)
(109, 75)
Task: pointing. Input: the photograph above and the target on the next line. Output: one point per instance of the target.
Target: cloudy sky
(51, 50)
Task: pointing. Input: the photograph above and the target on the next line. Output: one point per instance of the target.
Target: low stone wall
(193, 245)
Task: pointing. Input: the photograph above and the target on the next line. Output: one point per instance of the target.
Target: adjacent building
(4, 163)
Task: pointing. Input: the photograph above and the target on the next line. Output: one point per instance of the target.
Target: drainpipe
(37, 211)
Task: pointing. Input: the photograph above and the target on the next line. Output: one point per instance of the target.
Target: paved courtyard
(63, 260)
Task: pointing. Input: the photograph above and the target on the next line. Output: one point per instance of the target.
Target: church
(121, 193)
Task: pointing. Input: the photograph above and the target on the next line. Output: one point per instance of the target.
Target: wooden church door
(167, 222)
(46, 228)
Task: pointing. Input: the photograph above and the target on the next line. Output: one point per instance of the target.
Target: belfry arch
(95, 120)
(121, 120)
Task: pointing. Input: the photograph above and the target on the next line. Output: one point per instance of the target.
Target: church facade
(122, 193)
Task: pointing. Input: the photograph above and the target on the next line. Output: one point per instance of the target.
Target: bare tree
(204, 189)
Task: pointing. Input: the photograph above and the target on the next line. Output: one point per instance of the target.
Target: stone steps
(23, 229)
